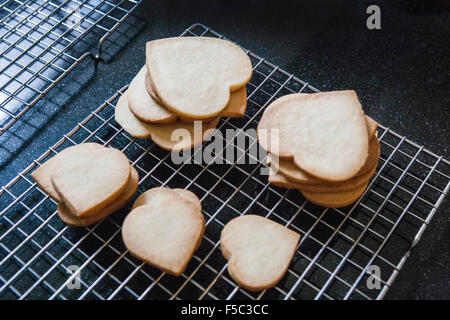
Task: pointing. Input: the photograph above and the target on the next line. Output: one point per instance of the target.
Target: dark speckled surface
(401, 73)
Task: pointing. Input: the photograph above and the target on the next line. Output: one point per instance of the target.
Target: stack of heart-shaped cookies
(321, 144)
(88, 181)
(187, 84)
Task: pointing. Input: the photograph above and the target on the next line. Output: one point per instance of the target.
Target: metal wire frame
(37, 46)
(337, 245)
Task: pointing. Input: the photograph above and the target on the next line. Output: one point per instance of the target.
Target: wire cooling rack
(338, 247)
(43, 40)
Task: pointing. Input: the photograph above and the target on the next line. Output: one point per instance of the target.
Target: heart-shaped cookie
(173, 136)
(165, 231)
(87, 179)
(72, 220)
(325, 134)
(235, 108)
(258, 251)
(194, 76)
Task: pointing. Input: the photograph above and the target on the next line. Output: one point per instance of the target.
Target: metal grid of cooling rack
(337, 247)
(43, 40)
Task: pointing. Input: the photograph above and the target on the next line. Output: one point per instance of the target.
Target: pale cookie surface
(86, 180)
(297, 175)
(72, 220)
(42, 175)
(334, 199)
(235, 108)
(142, 105)
(164, 233)
(185, 135)
(193, 76)
(258, 251)
(371, 124)
(324, 133)
(161, 194)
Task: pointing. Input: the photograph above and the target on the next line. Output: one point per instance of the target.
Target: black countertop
(401, 74)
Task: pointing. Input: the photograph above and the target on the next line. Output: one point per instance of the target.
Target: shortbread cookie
(164, 233)
(280, 180)
(160, 194)
(297, 175)
(194, 76)
(115, 205)
(87, 180)
(334, 199)
(324, 133)
(258, 251)
(142, 105)
(42, 175)
(235, 108)
(161, 134)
